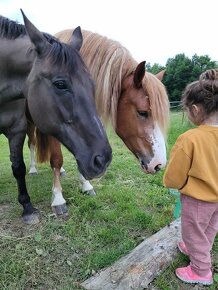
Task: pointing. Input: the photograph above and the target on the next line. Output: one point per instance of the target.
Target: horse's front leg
(56, 161)
(86, 186)
(16, 142)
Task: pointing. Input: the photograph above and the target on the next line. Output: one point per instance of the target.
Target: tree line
(181, 71)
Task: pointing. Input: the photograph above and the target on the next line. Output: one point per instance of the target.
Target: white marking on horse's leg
(33, 169)
(85, 184)
(62, 170)
(57, 196)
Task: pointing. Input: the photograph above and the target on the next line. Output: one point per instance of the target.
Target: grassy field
(57, 254)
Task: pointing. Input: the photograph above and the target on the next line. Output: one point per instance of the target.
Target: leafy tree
(180, 71)
(156, 68)
(178, 74)
(201, 64)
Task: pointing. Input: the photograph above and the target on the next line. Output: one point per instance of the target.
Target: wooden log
(140, 266)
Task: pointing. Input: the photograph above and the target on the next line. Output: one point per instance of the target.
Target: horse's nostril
(99, 161)
(157, 167)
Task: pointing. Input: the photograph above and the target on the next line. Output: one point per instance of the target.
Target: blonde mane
(109, 63)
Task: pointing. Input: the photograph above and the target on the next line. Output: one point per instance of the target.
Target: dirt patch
(11, 224)
(3, 208)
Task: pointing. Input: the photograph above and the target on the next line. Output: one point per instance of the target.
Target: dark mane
(10, 29)
(60, 53)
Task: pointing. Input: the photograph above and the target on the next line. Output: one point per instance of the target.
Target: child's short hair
(203, 92)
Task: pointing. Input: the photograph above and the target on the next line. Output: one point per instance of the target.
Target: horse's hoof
(60, 210)
(90, 192)
(33, 171)
(31, 219)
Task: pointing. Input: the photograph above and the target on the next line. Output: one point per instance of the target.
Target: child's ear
(195, 110)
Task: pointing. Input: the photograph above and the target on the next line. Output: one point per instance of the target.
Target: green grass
(57, 254)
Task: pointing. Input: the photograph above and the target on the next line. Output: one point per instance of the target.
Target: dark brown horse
(133, 100)
(51, 78)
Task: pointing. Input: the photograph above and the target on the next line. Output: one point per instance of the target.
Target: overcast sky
(152, 30)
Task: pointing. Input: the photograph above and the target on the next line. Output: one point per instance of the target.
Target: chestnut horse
(134, 101)
(51, 78)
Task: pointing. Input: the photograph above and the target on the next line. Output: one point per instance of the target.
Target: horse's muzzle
(97, 165)
(150, 168)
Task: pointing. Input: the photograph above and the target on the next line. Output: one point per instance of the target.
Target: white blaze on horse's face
(159, 150)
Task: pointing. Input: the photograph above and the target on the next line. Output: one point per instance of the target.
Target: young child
(193, 170)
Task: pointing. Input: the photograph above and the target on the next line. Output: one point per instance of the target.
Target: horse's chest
(12, 115)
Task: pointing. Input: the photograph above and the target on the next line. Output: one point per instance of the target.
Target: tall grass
(57, 254)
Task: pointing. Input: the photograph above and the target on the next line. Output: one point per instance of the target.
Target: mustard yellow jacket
(193, 164)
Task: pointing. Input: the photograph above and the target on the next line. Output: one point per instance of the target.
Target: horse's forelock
(63, 55)
(159, 101)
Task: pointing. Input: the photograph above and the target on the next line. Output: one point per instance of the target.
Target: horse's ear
(77, 38)
(160, 75)
(139, 74)
(35, 35)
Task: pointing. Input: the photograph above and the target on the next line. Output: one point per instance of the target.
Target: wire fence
(175, 105)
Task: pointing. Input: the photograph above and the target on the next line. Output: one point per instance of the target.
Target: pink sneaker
(187, 275)
(182, 248)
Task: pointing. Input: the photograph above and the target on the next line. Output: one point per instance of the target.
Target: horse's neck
(16, 60)
(17, 54)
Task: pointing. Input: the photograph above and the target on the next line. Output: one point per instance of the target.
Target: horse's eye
(61, 85)
(143, 114)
